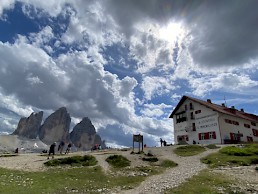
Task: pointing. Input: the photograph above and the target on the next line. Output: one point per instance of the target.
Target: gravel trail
(187, 167)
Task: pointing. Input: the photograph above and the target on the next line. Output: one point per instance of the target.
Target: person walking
(68, 148)
(52, 150)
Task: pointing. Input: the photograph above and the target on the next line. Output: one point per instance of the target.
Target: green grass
(118, 161)
(233, 156)
(168, 164)
(78, 180)
(206, 182)
(189, 150)
(86, 160)
(212, 146)
(150, 159)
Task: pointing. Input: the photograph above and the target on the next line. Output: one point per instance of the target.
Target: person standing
(52, 150)
(161, 142)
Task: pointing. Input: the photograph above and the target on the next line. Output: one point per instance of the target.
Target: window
(235, 123)
(186, 107)
(247, 125)
(253, 123)
(192, 115)
(249, 139)
(231, 122)
(208, 135)
(236, 136)
(191, 106)
(193, 125)
(211, 135)
(181, 117)
(255, 132)
(198, 111)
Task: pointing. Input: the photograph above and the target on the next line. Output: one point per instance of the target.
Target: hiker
(52, 150)
(161, 142)
(164, 143)
(68, 148)
(16, 151)
(61, 147)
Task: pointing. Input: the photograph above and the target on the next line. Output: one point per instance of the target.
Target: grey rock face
(84, 135)
(29, 127)
(56, 127)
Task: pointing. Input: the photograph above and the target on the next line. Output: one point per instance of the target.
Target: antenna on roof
(225, 101)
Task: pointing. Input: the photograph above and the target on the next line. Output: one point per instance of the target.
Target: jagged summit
(29, 127)
(56, 128)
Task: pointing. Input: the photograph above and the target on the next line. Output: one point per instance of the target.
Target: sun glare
(171, 33)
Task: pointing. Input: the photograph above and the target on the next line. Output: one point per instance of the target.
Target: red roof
(218, 108)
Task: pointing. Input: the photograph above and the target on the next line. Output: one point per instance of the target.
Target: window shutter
(206, 136)
(214, 135)
(200, 136)
(232, 136)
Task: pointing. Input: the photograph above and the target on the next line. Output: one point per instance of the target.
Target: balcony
(179, 120)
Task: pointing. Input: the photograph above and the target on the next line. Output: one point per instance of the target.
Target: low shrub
(189, 150)
(118, 161)
(236, 151)
(168, 163)
(212, 146)
(256, 168)
(151, 159)
(73, 161)
(243, 155)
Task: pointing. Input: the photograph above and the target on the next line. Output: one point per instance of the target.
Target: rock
(29, 127)
(84, 135)
(56, 127)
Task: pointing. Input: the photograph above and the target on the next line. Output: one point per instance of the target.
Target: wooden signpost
(139, 139)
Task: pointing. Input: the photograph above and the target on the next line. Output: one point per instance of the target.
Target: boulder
(84, 135)
(29, 127)
(56, 127)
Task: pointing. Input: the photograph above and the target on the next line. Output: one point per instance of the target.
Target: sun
(171, 33)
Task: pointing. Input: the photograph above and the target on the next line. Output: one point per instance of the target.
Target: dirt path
(188, 166)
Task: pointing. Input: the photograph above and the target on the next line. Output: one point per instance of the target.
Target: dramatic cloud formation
(125, 64)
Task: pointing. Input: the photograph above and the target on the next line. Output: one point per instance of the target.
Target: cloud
(153, 86)
(155, 110)
(226, 37)
(227, 82)
(5, 5)
(108, 60)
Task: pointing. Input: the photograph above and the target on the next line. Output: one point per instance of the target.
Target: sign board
(138, 138)
(208, 122)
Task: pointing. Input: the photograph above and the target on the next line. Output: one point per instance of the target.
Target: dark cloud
(225, 33)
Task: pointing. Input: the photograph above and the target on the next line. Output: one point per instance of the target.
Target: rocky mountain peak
(56, 127)
(84, 135)
(29, 127)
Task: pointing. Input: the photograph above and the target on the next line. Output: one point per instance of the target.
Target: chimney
(223, 104)
(209, 100)
(232, 107)
(242, 110)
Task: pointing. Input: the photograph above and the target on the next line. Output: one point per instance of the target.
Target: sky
(125, 64)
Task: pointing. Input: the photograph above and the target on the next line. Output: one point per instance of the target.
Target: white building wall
(227, 128)
(205, 121)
